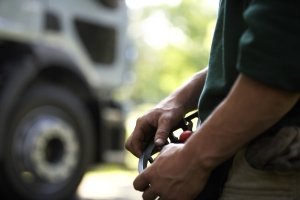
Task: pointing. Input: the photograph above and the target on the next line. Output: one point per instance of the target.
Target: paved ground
(111, 182)
(105, 183)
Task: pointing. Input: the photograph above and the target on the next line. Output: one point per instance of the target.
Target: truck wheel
(49, 145)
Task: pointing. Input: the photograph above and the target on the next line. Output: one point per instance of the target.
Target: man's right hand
(157, 123)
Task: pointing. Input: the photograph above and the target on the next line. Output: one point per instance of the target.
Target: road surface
(108, 183)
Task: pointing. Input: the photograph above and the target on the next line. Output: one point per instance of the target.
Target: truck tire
(48, 147)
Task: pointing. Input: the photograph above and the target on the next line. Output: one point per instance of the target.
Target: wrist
(205, 150)
(172, 103)
(196, 160)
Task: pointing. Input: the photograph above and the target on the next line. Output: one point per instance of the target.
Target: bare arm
(166, 115)
(249, 109)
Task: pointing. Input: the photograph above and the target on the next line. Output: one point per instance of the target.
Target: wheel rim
(45, 149)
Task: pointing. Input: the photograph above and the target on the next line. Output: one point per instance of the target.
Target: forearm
(249, 109)
(188, 94)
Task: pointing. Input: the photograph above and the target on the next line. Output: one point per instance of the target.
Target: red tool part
(185, 135)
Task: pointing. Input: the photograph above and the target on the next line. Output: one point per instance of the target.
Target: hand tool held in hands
(185, 124)
(215, 183)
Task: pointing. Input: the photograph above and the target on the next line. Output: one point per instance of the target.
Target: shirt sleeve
(269, 49)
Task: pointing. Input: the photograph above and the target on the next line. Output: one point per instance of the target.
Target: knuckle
(139, 120)
(165, 119)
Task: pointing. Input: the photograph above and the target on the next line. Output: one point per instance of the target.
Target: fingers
(141, 183)
(142, 133)
(149, 194)
(165, 123)
(154, 122)
(134, 146)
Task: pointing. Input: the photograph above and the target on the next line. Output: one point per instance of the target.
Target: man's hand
(158, 121)
(173, 176)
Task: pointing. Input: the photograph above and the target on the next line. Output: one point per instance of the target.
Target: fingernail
(159, 142)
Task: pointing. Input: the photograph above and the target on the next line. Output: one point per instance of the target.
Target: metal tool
(185, 124)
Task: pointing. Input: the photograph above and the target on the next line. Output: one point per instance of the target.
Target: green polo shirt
(259, 38)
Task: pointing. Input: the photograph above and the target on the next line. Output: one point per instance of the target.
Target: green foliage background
(159, 72)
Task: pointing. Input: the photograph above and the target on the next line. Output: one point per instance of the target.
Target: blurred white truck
(60, 62)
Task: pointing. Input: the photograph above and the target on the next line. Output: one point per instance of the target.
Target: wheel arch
(37, 64)
(65, 77)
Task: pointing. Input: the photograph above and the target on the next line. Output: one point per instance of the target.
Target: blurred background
(74, 77)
